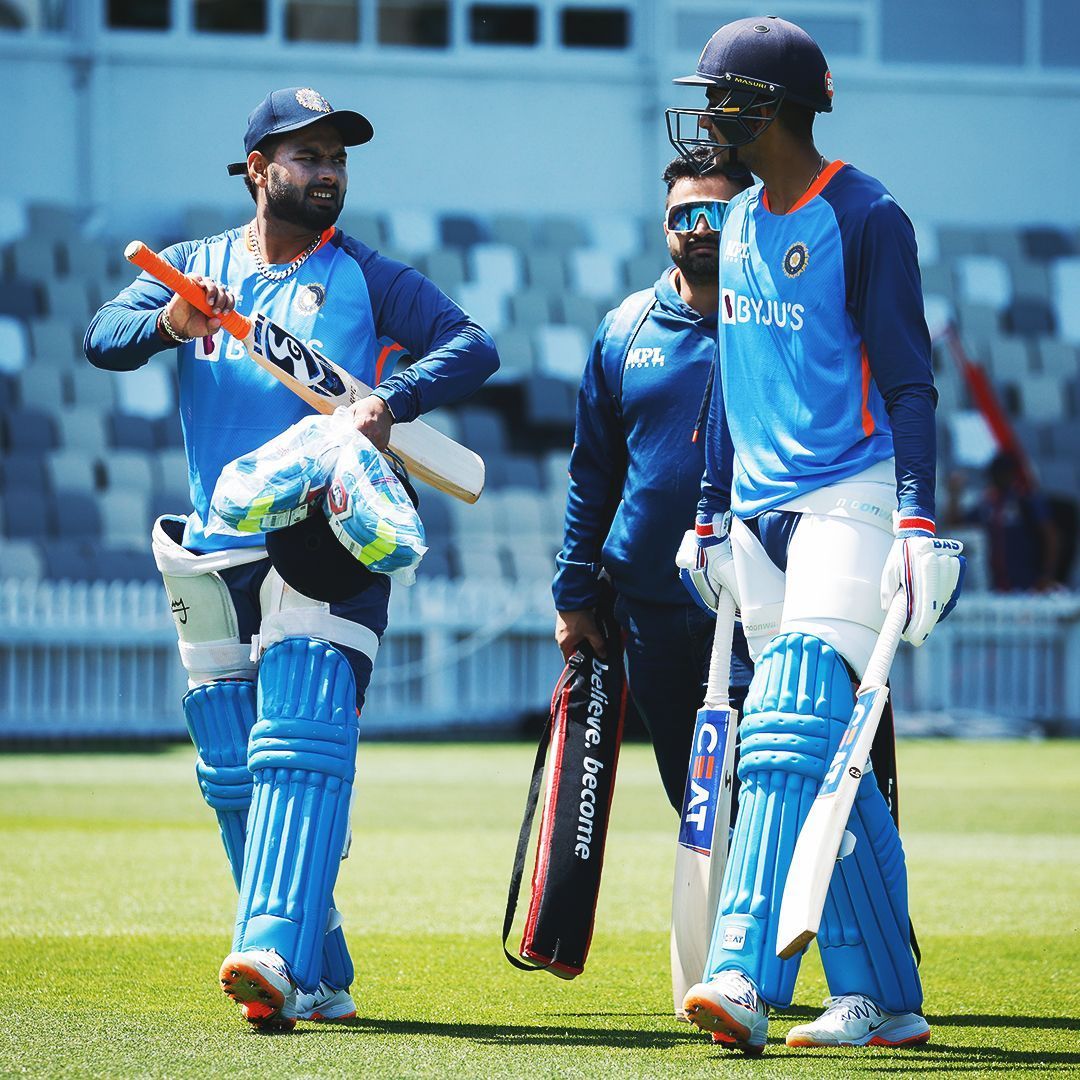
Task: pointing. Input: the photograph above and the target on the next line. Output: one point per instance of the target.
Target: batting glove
(705, 563)
(930, 570)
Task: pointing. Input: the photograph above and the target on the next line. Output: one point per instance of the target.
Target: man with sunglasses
(635, 473)
(818, 510)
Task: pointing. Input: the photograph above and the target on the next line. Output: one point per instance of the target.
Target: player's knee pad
(219, 716)
(864, 936)
(202, 609)
(799, 701)
(302, 755)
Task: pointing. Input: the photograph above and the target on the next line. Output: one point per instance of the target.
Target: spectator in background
(635, 474)
(1022, 540)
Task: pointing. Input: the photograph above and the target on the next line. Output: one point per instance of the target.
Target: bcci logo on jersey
(736, 308)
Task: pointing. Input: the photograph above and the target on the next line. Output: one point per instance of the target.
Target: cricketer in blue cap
(817, 508)
(294, 108)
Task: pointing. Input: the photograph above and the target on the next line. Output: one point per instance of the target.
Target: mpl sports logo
(736, 308)
(709, 775)
(645, 357)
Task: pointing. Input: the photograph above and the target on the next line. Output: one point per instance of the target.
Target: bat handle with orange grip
(146, 259)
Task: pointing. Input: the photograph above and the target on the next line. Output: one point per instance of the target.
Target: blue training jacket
(341, 301)
(823, 348)
(635, 470)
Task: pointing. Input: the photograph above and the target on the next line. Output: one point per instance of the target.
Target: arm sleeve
(597, 474)
(885, 298)
(454, 354)
(123, 335)
(719, 454)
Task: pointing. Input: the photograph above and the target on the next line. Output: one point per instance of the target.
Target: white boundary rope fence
(100, 660)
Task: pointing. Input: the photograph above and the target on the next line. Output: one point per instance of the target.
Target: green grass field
(117, 907)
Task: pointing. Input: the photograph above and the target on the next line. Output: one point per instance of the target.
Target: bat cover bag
(580, 744)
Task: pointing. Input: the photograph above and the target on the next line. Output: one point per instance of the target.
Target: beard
(699, 263)
(293, 204)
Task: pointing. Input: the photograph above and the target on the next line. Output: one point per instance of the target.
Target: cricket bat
(428, 454)
(818, 846)
(701, 852)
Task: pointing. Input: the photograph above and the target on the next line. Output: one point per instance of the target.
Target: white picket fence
(89, 660)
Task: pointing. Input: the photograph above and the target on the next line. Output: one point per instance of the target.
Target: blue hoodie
(635, 470)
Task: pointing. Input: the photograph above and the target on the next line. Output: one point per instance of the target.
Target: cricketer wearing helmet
(278, 651)
(818, 509)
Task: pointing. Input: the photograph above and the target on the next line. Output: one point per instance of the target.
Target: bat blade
(701, 851)
(818, 846)
(428, 454)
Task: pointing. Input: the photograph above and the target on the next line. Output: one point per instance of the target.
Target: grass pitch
(117, 906)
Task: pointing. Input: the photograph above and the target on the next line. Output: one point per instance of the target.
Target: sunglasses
(684, 217)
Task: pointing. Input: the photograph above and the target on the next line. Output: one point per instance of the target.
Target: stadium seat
(978, 323)
(1009, 358)
(644, 270)
(84, 258)
(1042, 398)
(498, 267)
(52, 221)
(67, 298)
(446, 421)
(1028, 317)
(69, 560)
(72, 470)
(954, 240)
(927, 242)
(477, 520)
(436, 564)
(583, 312)
(1058, 358)
(514, 471)
(364, 226)
(31, 428)
(126, 564)
(24, 470)
(436, 515)
(561, 352)
(545, 271)
(21, 560)
(132, 432)
(521, 514)
(1065, 287)
(125, 519)
(1031, 279)
(168, 434)
(516, 354)
(21, 299)
(32, 259)
(560, 233)
(412, 232)
(13, 346)
(530, 567)
(54, 341)
(481, 562)
(983, 279)
(1004, 243)
(171, 471)
(82, 428)
(1059, 477)
(1046, 244)
(128, 470)
(9, 395)
(13, 220)
(513, 230)
(486, 304)
(461, 231)
(169, 503)
(28, 513)
(938, 278)
(530, 309)
(482, 430)
(146, 391)
(42, 383)
(618, 234)
(596, 273)
(78, 514)
(550, 401)
(446, 268)
(93, 387)
(1065, 441)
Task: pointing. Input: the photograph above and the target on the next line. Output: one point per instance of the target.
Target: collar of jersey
(811, 192)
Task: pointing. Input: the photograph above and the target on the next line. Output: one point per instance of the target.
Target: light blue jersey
(824, 353)
(341, 301)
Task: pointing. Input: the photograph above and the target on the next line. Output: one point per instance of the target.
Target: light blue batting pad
(219, 717)
(302, 755)
(864, 934)
(798, 704)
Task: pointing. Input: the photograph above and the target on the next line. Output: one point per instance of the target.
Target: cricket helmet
(757, 62)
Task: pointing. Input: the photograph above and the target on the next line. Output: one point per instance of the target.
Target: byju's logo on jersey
(645, 357)
(796, 259)
(736, 308)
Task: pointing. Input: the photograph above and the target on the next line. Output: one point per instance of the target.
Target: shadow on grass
(1067, 1023)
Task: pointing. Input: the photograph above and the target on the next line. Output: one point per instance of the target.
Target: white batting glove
(930, 570)
(705, 563)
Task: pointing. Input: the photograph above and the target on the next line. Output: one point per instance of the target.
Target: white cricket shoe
(258, 981)
(729, 1006)
(325, 1004)
(854, 1020)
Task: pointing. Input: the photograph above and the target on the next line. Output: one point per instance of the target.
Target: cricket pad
(580, 744)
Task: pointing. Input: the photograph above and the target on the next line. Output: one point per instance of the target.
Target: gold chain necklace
(277, 275)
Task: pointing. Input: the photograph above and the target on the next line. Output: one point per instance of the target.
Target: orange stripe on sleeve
(867, 417)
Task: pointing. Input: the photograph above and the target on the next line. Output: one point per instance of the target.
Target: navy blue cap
(766, 53)
(293, 108)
